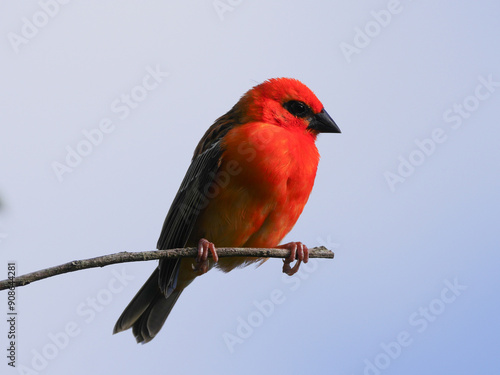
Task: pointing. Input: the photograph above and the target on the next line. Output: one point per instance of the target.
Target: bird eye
(298, 109)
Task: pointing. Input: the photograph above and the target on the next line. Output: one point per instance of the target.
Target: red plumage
(249, 180)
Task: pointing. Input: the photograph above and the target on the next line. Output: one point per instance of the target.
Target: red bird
(248, 182)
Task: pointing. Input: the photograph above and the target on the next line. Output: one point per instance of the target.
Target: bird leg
(204, 246)
(298, 251)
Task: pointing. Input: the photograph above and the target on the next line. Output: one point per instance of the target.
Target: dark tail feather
(147, 311)
(151, 321)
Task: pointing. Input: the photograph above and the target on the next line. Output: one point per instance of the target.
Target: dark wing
(191, 197)
(151, 306)
(188, 203)
(148, 310)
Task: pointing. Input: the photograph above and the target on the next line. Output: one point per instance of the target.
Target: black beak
(323, 123)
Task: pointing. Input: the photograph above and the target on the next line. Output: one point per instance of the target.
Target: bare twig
(123, 257)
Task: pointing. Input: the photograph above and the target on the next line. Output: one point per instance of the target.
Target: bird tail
(147, 311)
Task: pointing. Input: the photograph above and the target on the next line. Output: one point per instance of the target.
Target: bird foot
(202, 264)
(298, 251)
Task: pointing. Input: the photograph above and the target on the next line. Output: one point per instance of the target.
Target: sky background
(406, 197)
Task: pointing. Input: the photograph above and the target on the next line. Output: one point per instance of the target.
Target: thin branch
(123, 257)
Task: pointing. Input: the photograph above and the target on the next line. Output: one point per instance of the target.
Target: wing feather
(187, 205)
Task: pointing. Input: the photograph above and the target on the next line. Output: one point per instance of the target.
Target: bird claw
(202, 264)
(298, 251)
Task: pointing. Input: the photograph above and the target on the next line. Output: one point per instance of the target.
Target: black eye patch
(298, 108)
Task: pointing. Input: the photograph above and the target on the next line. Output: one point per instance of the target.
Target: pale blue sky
(416, 245)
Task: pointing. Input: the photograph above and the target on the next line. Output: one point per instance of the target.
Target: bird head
(287, 102)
